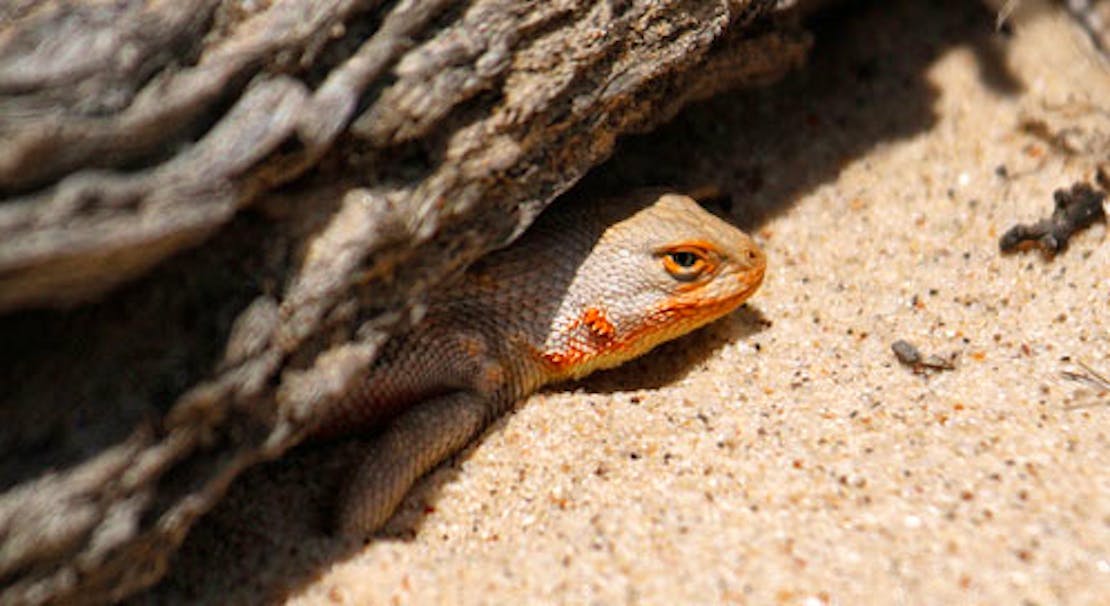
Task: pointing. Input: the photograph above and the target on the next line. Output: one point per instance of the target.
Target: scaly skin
(588, 287)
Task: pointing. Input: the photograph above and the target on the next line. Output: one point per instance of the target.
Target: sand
(784, 455)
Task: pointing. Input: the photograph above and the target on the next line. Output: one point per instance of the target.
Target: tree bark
(212, 214)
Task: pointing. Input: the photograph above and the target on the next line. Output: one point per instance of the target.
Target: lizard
(586, 287)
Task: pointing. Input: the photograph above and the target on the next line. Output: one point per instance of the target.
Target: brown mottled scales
(588, 287)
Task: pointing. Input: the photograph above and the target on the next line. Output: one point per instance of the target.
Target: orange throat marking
(607, 349)
(602, 333)
(599, 325)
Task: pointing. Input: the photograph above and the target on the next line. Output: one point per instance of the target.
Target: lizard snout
(753, 266)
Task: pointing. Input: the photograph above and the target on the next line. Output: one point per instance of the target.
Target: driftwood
(213, 213)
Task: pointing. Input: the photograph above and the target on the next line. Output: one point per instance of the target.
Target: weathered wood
(213, 213)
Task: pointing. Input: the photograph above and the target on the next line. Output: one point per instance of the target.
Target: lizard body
(587, 287)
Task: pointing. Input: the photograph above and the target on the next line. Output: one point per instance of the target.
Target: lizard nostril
(755, 257)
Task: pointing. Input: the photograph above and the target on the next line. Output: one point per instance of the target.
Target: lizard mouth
(712, 308)
(752, 280)
(671, 319)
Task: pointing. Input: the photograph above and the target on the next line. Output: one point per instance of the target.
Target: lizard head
(665, 269)
(698, 266)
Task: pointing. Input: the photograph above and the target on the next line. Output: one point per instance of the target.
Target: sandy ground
(783, 455)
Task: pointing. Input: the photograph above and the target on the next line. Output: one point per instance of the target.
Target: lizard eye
(687, 263)
(684, 259)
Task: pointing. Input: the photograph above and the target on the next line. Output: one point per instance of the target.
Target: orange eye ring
(688, 262)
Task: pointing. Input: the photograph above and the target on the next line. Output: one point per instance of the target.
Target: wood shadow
(866, 84)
